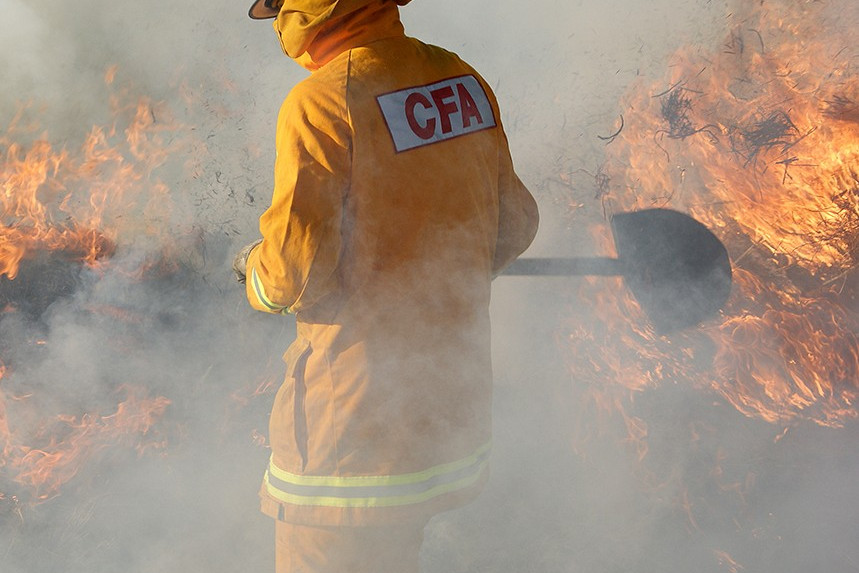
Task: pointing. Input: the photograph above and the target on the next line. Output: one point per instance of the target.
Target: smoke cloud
(164, 319)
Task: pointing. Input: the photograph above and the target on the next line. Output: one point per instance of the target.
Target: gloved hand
(240, 262)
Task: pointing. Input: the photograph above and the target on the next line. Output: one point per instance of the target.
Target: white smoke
(553, 505)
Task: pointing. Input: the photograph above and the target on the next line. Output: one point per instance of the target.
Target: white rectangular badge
(436, 112)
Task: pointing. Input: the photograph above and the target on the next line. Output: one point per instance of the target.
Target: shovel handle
(565, 267)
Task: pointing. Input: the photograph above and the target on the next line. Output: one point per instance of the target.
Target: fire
(760, 142)
(57, 200)
(64, 207)
(27, 224)
(68, 444)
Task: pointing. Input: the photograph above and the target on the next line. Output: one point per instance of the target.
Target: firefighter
(395, 204)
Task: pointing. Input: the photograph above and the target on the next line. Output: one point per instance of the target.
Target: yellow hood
(301, 22)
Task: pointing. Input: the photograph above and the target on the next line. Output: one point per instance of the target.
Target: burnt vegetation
(42, 279)
(847, 234)
(676, 107)
(676, 110)
(762, 135)
(841, 108)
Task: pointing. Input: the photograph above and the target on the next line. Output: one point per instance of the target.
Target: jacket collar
(314, 45)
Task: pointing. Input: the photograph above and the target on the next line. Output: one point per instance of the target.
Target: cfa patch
(436, 112)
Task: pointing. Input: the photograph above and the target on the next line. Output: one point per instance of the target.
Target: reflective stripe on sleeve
(376, 491)
(261, 296)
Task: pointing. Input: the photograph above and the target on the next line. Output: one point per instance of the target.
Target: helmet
(264, 9)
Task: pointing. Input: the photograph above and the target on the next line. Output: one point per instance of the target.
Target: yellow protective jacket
(395, 203)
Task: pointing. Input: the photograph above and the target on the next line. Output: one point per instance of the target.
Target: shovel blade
(678, 270)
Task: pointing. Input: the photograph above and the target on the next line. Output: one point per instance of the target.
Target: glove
(240, 262)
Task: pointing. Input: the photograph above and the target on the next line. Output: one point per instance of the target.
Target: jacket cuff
(255, 289)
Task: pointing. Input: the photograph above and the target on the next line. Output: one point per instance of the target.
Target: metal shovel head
(677, 269)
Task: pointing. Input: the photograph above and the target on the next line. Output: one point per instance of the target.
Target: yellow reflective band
(376, 491)
(380, 481)
(390, 501)
(261, 296)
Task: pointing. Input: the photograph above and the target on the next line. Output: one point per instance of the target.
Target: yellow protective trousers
(364, 549)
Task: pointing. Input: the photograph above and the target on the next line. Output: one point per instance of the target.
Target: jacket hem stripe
(376, 491)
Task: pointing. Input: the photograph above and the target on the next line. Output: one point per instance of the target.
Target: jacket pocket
(295, 358)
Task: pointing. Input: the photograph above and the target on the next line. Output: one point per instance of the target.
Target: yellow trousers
(367, 549)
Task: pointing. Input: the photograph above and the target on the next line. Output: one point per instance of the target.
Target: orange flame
(55, 200)
(74, 440)
(81, 203)
(760, 142)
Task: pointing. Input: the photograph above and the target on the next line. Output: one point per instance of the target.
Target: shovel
(677, 270)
